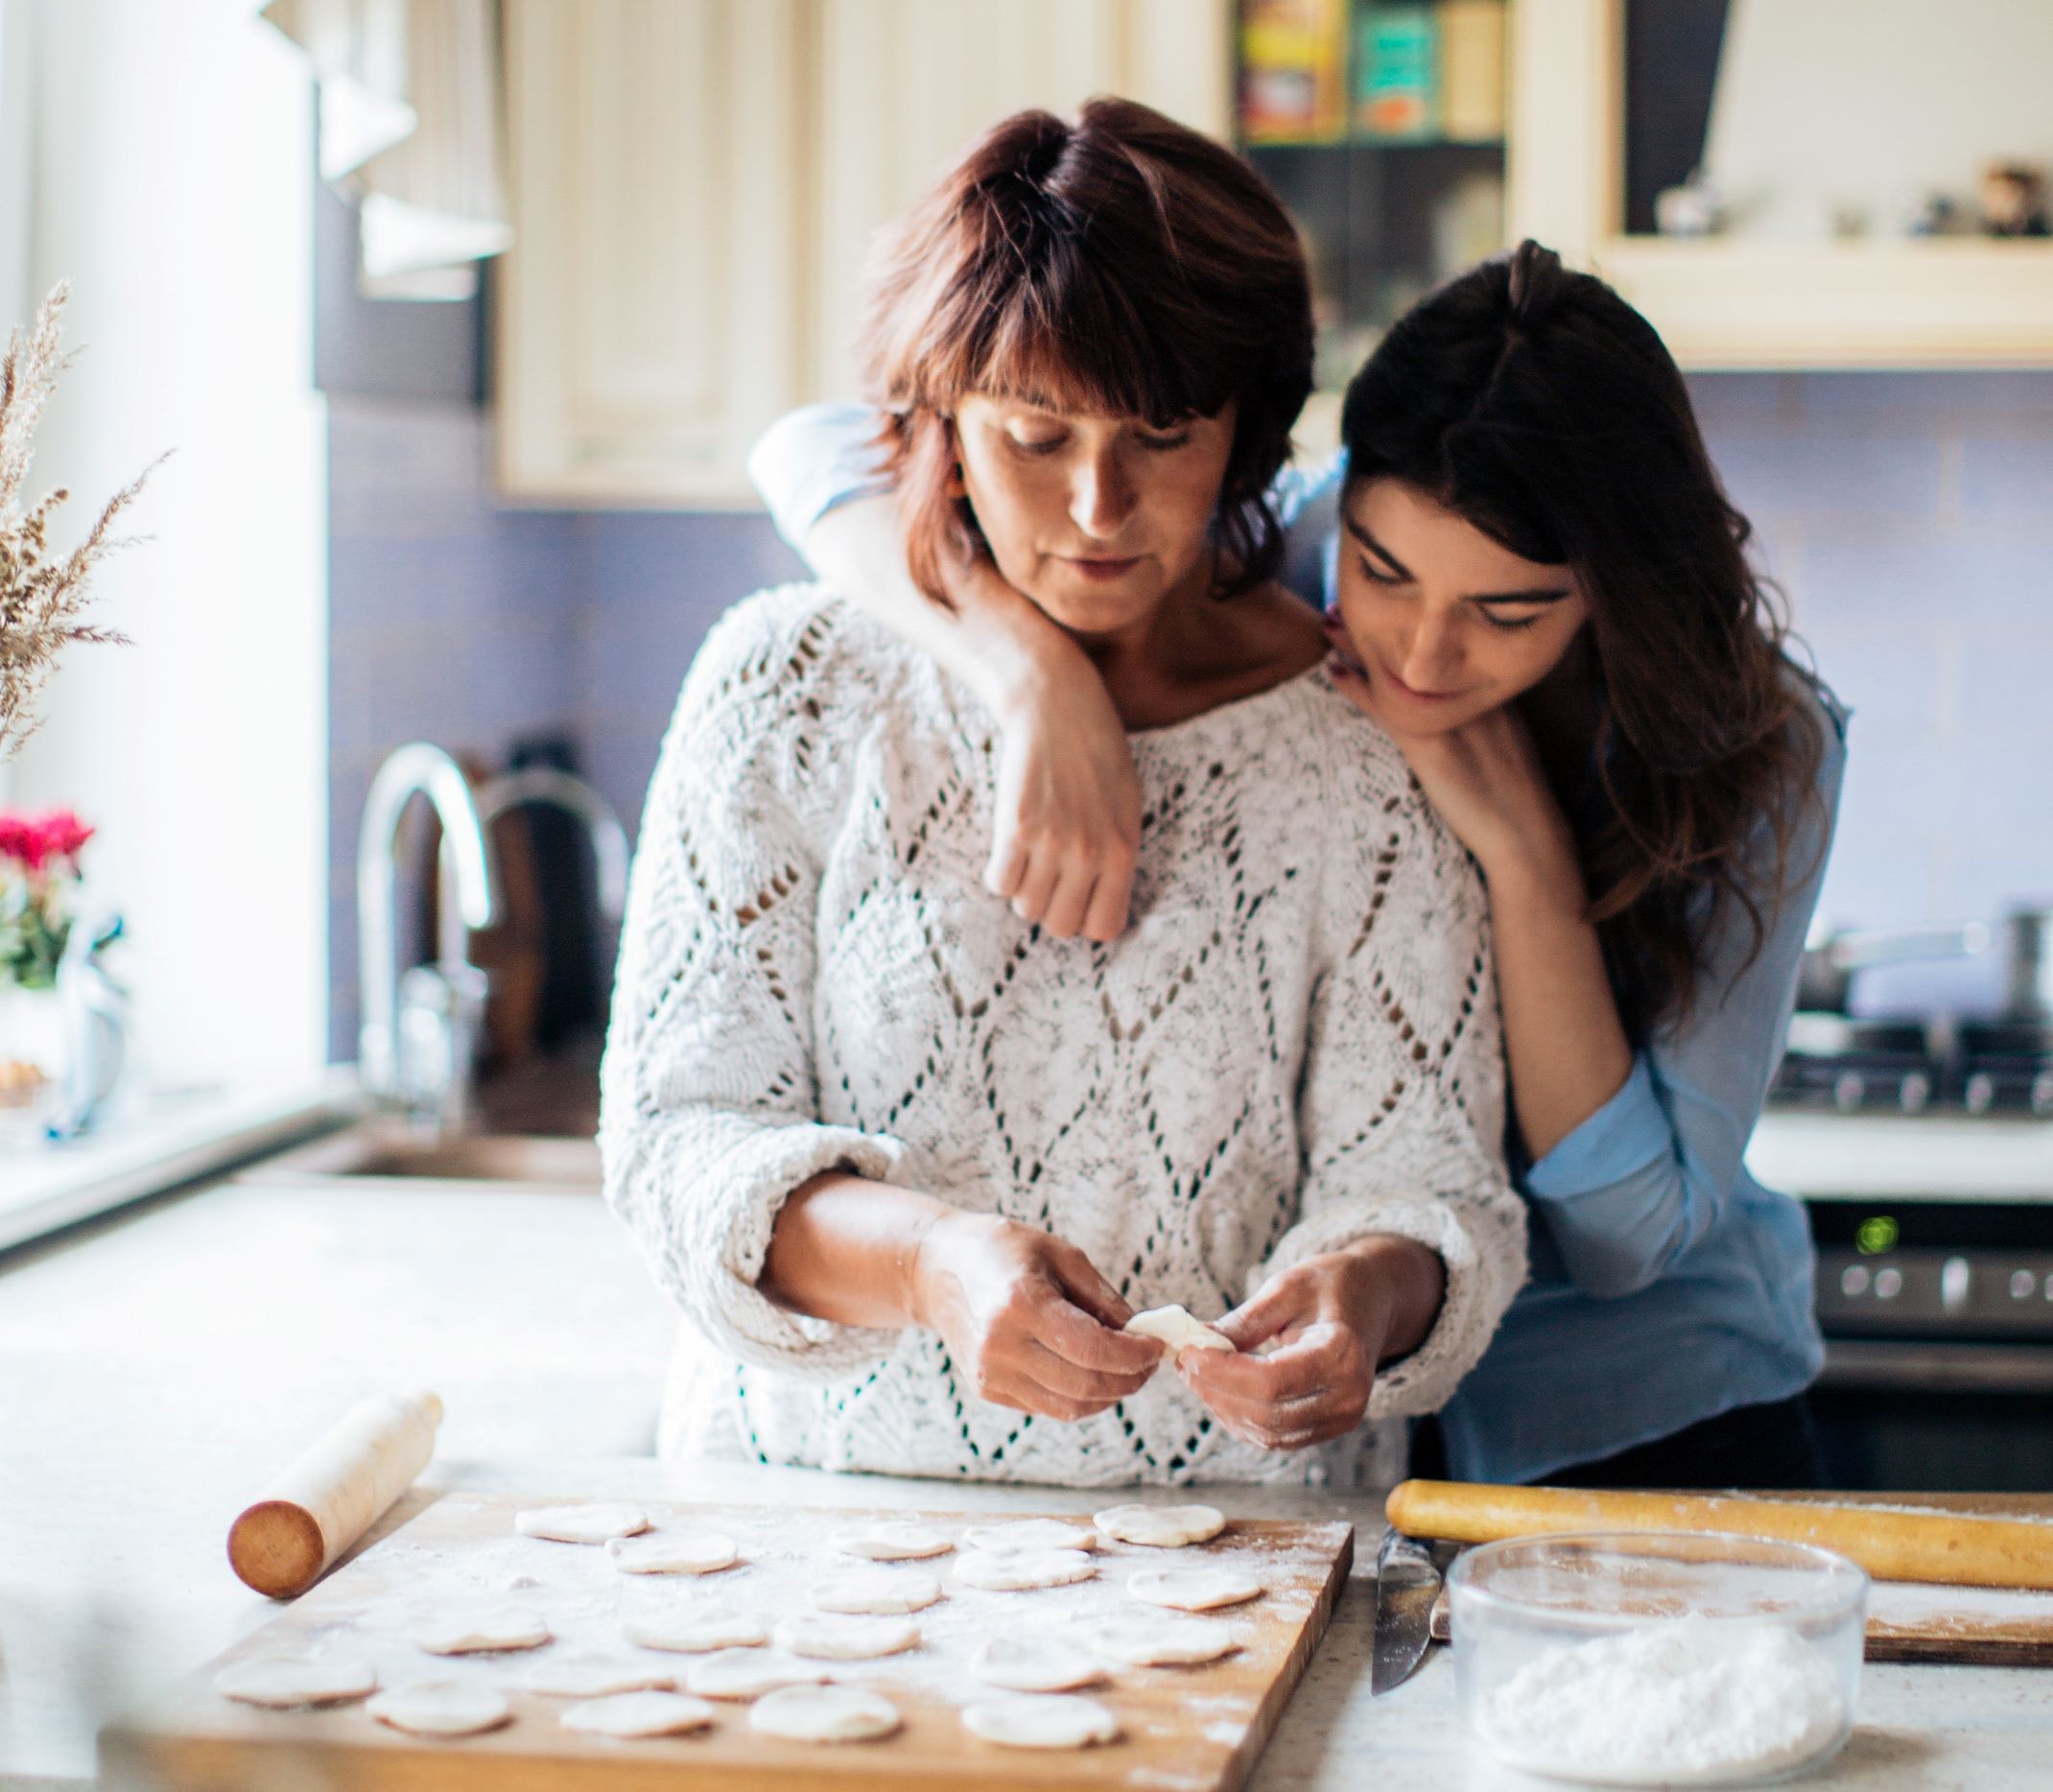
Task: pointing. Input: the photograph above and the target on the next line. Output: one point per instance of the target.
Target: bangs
(1063, 332)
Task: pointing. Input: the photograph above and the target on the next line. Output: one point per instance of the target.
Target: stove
(1910, 1066)
(1934, 1282)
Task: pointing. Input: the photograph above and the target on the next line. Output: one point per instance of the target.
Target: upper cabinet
(1846, 144)
(696, 183)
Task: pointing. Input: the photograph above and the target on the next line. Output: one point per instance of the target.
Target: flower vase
(32, 1051)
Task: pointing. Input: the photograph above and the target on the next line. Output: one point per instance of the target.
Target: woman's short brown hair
(1123, 265)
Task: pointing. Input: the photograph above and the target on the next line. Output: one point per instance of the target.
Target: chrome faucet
(548, 783)
(418, 1031)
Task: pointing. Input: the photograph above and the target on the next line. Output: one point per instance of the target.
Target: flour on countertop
(1693, 1700)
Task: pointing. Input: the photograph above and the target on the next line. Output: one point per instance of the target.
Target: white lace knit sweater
(1295, 1044)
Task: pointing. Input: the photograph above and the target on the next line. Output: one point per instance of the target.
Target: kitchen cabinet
(695, 184)
(1734, 301)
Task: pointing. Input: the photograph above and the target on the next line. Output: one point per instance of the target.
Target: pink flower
(35, 842)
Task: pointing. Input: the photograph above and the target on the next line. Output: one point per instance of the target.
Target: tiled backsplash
(1909, 518)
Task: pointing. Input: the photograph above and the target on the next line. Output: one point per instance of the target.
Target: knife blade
(1408, 1582)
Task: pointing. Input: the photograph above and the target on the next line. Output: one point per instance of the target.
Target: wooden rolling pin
(1889, 1542)
(326, 1498)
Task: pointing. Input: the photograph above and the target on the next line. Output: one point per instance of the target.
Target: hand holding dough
(1173, 1328)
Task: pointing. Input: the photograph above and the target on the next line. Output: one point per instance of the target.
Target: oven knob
(1888, 1283)
(2022, 1285)
(1914, 1092)
(1980, 1092)
(1848, 1091)
(1853, 1279)
(1956, 1281)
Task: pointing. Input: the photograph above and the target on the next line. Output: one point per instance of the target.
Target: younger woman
(1544, 598)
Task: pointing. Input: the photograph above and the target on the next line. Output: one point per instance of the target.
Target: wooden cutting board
(1184, 1729)
(1970, 1626)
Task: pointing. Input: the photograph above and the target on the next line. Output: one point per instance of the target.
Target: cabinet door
(905, 85)
(651, 314)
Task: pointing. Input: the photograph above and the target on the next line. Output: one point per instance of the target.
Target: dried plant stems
(43, 599)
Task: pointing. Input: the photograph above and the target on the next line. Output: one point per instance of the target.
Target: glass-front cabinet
(1383, 126)
(1796, 183)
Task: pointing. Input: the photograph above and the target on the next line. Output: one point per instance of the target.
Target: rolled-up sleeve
(1627, 1193)
(814, 459)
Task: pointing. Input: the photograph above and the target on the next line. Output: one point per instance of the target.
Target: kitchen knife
(1408, 1582)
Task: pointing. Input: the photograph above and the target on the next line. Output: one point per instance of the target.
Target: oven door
(1913, 1415)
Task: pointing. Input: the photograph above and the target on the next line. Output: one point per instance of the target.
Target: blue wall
(1909, 518)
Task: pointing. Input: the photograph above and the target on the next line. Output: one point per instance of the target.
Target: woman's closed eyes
(1531, 605)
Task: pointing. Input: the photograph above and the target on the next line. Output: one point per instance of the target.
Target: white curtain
(409, 124)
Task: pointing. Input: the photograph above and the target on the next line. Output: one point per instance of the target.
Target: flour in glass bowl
(1689, 1702)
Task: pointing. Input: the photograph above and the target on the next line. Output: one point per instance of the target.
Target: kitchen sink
(391, 1152)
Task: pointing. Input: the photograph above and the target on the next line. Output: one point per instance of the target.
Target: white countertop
(159, 1365)
(1896, 1156)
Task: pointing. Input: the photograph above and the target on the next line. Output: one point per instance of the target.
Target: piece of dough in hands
(1176, 1330)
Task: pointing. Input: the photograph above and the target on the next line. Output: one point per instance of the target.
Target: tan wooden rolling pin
(326, 1498)
(1891, 1544)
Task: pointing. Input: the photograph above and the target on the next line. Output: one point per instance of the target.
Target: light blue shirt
(1668, 1285)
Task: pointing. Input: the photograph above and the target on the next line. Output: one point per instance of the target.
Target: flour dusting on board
(1184, 1729)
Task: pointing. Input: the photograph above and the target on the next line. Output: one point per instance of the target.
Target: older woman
(907, 1163)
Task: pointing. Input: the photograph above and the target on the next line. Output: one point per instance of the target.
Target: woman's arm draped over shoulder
(709, 1119)
(1633, 1188)
(1403, 1106)
(1068, 800)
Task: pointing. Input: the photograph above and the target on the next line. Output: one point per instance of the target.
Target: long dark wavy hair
(1539, 407)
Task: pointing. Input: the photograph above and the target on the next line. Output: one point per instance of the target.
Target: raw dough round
(1194, 1590)
(592, 1523)
(824, 1714)
(480, 1629)
(299, 1680)
(1176, 1330)
(673, 1552)
(698, 1629)
(875, 1592)
(889, 1540)
(831, 1636)
(1031, 1534)
(593, 1676)
(1033, 1664)
(639, 1714)
(748, 1673)
(441, 1708)
(1041, 1720)
(1139, 1641)
(1161, 1527)
(1018, 1570)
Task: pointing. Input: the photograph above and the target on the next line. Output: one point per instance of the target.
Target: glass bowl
(1658, 1659)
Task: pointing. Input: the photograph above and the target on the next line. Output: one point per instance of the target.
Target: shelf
(1721, 303)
